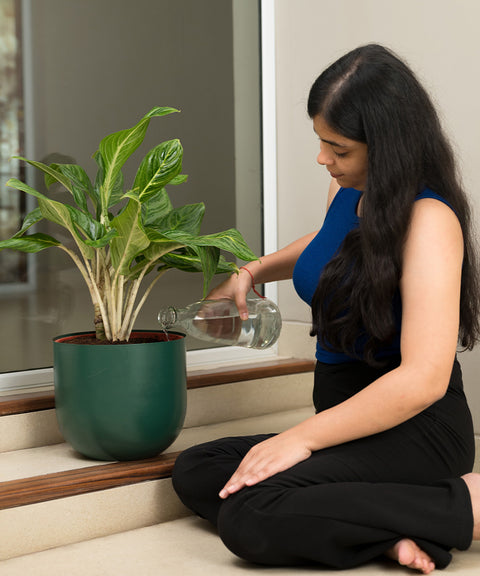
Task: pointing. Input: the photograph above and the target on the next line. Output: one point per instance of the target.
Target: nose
(324, 158)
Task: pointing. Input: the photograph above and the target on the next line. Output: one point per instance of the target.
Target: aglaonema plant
(121, 237)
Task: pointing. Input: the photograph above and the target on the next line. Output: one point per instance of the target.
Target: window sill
(34, 401)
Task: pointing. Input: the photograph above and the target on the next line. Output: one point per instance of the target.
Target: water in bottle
(219, 322)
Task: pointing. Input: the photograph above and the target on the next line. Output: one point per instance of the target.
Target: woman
(383, 466)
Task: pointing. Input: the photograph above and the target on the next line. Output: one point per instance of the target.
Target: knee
(241, 529)
(182, 477)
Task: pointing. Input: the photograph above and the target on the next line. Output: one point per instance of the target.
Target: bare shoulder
(431, 216)
(332, 191)
(430, 287)
(434, 228)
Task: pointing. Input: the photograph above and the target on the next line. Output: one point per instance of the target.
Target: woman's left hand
(267, 458)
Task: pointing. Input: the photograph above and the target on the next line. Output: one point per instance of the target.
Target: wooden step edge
(251, 371)
(15, 493)
(33, 402)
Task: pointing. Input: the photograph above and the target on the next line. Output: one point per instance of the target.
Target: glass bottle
(218, 321)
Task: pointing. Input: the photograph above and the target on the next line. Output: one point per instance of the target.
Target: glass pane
(97, 66)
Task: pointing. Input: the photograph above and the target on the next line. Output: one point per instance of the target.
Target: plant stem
(125, 329)
(144, 297)
(87, 274)
(102, 325)
(107, 295)
(119, 302)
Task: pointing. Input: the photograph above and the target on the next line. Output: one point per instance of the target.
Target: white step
(131, 525)
(34, 527)
(185, 547)
(205, 405)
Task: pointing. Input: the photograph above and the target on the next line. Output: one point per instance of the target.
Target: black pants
(350, 503)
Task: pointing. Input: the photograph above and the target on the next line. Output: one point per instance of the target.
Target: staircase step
(199, 378)
(214, 395)
(57, 471)
(184, 547)
(55, 485)
(52, 496)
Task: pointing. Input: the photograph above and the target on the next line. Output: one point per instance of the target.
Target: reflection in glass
(95, 66)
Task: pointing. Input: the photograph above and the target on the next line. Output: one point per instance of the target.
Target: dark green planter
(120, 401)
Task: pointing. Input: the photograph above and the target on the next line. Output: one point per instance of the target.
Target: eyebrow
(331, 142)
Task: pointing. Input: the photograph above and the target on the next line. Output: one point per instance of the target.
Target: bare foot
(408, 554)
(473, 484)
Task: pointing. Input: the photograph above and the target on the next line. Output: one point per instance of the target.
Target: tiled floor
(186, 547)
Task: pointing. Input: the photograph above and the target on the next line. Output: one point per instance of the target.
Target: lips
(335, 175)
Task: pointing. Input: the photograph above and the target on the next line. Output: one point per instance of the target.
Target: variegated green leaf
(187, 262)
(116, 148)
(155, 208)
(159, 245)
(131, 240)
(186, 219)
(161, 111)
(209, 256)
(51, 174)
(66, 216)
(180, 179)
(51, 209)
(145, 232)
(92, 228)
(230, 240)
(102, 241)
(190, 262)
(81, 185)
(30, 220)
(225, 266)
(158, 168)
(31, 244)
(116, 193)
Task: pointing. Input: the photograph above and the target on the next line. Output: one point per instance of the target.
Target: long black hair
(371, 96)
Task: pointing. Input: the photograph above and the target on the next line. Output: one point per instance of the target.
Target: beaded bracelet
(253, 281)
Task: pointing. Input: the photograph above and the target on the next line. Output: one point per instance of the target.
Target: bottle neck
(167, 317)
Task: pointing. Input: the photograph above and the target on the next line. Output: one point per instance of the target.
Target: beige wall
(439, 38)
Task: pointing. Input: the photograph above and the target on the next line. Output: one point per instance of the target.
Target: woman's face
(345, 159)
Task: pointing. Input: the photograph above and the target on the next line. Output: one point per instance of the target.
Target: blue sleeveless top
(341, 218)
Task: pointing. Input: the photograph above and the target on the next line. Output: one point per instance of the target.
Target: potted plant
(121, 394)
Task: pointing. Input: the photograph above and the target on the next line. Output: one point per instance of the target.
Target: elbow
(434, 389)
(431, 385)
(438, 392)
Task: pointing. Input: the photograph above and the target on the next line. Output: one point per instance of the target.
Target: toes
(408, 554)
(422, 563)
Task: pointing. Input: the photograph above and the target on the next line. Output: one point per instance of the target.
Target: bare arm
(280, 264)
(276, 266)
(270, 268)
(430, 288)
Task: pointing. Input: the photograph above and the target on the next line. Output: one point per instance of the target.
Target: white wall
(439, 39)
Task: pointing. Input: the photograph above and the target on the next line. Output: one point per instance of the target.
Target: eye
(340, 154)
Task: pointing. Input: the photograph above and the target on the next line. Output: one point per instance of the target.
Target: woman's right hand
(236, 288)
